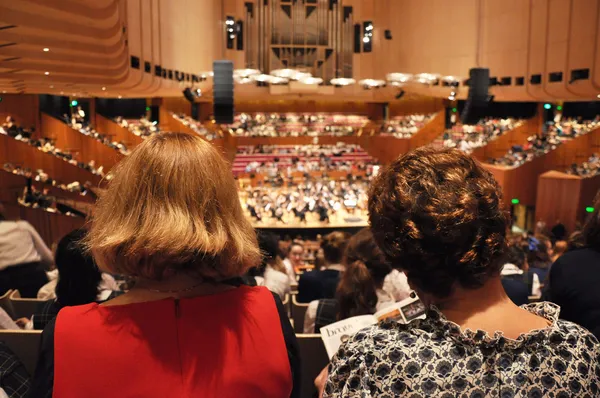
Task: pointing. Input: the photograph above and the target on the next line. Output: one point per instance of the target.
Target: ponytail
(356, 293)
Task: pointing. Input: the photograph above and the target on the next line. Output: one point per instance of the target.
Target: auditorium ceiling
(537, 50)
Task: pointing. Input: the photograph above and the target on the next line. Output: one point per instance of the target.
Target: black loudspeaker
(188, 94)
(478, 95)
(223, 92)
(154, 114)
(388, 34)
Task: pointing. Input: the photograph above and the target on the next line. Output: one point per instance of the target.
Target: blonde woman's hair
(171, 207)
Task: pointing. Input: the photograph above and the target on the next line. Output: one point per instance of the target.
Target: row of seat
(16, 306)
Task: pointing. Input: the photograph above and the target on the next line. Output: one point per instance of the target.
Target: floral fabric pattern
(434, 358)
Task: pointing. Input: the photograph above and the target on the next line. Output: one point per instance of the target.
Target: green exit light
(454, 110)
(515, 201)
(147, 108)
(74, 103)
(559, 108)
(547, 106)
(589, 209)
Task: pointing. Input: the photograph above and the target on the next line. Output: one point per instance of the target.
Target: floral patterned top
(434, 358)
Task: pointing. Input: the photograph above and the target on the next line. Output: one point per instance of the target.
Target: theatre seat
(25, 344)
(314, 359)
(6, 304)
(23, 307)
(298, 312)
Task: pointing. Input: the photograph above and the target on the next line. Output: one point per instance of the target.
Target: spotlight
(366, 39)
(103, 88)
(46, 49)
(46, 73)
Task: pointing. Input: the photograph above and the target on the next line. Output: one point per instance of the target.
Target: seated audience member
(576, 241)
(186, 248)
(560, 248)
(79, 280)
(437, 215)
(23, 256)
(574, 279)
(538, 258)
(558, 231)
(360, 291)
(271, 272)
(294, 261)
(322, 283)
(517, 280)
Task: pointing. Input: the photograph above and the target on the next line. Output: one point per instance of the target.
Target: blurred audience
(197, 127)
(361, 289)
(296, 124)
(469, 137)
(271, 273)
(77, 122)
(405, 126)
(141, 127)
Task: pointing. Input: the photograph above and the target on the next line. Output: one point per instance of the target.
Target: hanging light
(342, 81)
(426, 78)
(311, 80)
(291, 74)
(398, 79)
(278, 80)
(262, 78)
(372, 83)
(242, 80)
(245, 72)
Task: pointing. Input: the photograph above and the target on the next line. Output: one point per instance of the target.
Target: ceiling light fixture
(311, 80)
(46, 49)
(372, 83)
(398, 78)
(245, 73)
(120, 96)
(103, 88)
(342, 81)
(46, 73)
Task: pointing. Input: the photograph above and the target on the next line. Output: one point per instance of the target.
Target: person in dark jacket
(575, 276)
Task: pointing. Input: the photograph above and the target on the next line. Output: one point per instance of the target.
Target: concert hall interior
(299, 198)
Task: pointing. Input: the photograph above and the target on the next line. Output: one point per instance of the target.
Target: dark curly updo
(437, 215)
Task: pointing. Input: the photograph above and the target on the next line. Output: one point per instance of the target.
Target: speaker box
(188, 94)
(223, 92)
(477, 100)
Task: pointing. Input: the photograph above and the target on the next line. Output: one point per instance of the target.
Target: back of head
(173, 207)
(333, 246)
(78, 276)
(516, 255)
(538, 255)
(268, 244)
(366, 269)
(437, 215)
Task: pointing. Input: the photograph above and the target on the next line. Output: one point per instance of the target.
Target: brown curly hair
(437, 215)
(333, 245)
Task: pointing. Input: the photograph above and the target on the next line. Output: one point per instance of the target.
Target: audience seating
(23, 307)
(298, 312)
(25, 344)
(314, 359)
(6, 304)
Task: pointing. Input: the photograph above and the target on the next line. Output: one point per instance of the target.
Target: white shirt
(511, 269)
(289, 270)
(396, 284)
(21, 244)
(384, 299)
(275, 281)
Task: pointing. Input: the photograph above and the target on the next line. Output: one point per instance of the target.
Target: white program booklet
(403, 312)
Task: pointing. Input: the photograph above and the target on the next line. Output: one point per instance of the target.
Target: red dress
(224, 345)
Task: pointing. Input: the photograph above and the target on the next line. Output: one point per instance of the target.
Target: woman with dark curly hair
(438, 216)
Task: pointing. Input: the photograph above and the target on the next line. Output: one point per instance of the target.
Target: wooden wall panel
(385, 148)
(283, 106)
(24, 108)
(116, 132)
(177, 105)
(84, 147)
(51, 226)
(418, 105)
(429, 132)
(21, 154)
(500, 146)
(558, 198)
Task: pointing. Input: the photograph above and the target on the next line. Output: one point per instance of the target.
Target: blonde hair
(173, 206)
